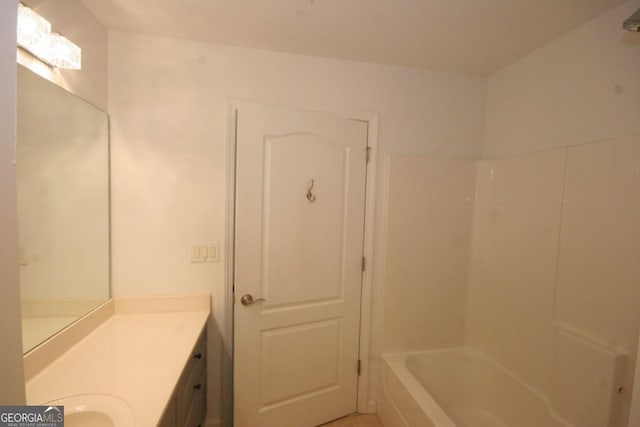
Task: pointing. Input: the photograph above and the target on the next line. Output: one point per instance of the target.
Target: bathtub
(458, 387)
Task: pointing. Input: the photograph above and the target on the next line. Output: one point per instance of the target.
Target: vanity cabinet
(150, 353)
(188, 403)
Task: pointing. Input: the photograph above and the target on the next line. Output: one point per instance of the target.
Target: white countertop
(136, 357)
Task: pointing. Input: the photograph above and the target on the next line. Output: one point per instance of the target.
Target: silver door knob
(247, 299)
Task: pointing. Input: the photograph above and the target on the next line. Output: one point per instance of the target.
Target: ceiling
(472, 36)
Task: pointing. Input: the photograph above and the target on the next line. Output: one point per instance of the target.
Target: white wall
(571, 259)
(513, 262)
(597, 292)
(554, 273)
(12, 390)
(167, 100)
(427, 234)
(581, 88)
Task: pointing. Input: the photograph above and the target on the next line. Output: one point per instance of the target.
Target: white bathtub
(458, 387)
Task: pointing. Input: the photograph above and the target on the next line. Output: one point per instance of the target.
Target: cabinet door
(197, 410)
(169, 417)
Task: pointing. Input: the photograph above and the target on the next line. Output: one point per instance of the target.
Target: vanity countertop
(137, 357)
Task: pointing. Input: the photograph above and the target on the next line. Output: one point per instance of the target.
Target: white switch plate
(213, 252)
(205, 252)
(195, 253)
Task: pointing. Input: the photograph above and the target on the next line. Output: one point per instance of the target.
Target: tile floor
(356, 421)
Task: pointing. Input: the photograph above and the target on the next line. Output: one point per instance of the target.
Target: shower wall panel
(513, 264)
(555, 262)
(429, 206)
(599, 260)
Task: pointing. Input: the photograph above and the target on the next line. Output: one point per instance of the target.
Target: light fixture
(64, 53)
(35, 36)
(33, 31)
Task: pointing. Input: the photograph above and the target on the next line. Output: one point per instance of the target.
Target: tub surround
(597, 370)
(552, 263)
(428, 234)
(134, 348)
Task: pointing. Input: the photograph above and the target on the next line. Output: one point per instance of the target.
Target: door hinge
(368, 154)
(364, 264)
(359, 367)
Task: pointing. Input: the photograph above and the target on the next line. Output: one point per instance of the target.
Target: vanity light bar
(35, 36)
(65, 53)
(33, 31)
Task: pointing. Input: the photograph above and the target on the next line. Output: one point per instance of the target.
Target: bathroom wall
(554, 249)
(12, 390)
(428, 227)
(597, 292)
(580, 88)
(553, 292)
(73, 20)
(553, 281)
(599, 252)
(516, 225)
(167, 100)
(168, 105)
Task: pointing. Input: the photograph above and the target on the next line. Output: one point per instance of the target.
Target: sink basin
(89, 418)
(95, 410)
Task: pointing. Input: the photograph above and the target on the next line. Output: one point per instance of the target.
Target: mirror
(62, 158)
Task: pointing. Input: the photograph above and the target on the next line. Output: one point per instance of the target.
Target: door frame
(364, 403)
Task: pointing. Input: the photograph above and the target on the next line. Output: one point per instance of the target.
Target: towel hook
(310, 196)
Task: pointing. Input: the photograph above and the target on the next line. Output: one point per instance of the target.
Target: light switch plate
(195, 253)
(213, 252)
(205, 252)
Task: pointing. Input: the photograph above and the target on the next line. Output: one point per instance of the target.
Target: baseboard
(370, 408)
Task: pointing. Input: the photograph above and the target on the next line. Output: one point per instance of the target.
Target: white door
(300, 198)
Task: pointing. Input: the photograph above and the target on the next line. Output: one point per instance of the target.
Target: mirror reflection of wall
(63, 206)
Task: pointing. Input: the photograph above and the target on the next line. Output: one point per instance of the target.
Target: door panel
(282, 380)
(295, 228)
(300, 185)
